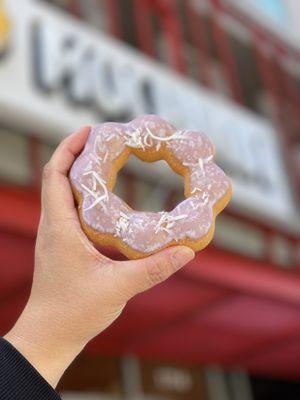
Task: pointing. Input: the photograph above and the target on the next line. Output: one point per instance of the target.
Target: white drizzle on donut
(97, 201)
(135, 139)
(167, 222)
(205, 197)
(96, 145)
(138, 139)
(110, 137)
(93, 194)
(199, 165)
(95, 179)
(122, 224)
(105, 156)
(96, 159)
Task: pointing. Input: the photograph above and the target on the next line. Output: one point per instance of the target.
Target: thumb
(140, 275)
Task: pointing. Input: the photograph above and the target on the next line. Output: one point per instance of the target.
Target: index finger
(66, 152)
(57, 197)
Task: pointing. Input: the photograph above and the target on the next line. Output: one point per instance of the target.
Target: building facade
(229, 68)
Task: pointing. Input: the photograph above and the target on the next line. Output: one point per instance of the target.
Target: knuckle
(47, 238)
(64, 141)
(47, 171)
(63, 146)
(156, 272)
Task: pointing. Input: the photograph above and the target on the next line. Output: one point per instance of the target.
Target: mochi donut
(108, 220)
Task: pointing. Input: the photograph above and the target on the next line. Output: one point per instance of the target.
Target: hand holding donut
(77, 292)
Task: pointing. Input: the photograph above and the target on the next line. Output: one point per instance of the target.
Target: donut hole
(148, 186)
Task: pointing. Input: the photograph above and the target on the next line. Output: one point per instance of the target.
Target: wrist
(39, 338)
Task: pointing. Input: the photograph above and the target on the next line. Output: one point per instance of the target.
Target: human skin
(77, 292)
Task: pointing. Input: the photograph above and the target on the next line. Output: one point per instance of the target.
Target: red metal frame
(225, 53)
(270, 78)
(74, 8)
(114, 18)
(271, 81)
(259, 30)
(167, 13)
(198, 37)
(142, 11)
(170, 22)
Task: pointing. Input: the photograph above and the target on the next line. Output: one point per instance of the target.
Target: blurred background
(227, 327)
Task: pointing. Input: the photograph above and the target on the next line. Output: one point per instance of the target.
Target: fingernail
(182, 257)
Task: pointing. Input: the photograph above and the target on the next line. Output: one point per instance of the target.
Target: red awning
(222, 308)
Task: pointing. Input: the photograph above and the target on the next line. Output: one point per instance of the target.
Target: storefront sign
(60, 75)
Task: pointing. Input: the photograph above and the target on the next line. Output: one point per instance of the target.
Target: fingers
(57, 198)
(143, 274)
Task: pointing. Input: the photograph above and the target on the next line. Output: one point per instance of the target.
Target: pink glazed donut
(108, 220)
